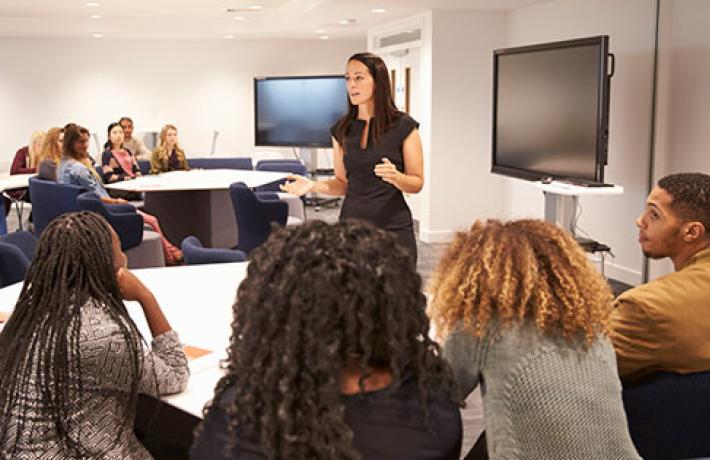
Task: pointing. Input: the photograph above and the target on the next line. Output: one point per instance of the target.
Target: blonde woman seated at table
(75, 168)
(51, 154)
(73, 361)
(168, 156)
(524, 314)
(330, 357)
(25, 162)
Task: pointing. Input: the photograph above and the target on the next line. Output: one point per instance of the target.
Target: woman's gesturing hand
(298, 185)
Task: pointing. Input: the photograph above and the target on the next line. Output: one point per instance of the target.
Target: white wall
(630, 25)
(200, 86)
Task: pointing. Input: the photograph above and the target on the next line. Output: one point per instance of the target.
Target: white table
(197, 301)
(15, 182)
(196, 202)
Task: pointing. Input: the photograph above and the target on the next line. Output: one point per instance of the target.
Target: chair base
(147, 254)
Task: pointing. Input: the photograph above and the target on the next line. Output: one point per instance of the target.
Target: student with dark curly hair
(330, 355)
(664, 325)
(524, 314)
(72, 361)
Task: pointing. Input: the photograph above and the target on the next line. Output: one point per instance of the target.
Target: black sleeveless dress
(368, 197)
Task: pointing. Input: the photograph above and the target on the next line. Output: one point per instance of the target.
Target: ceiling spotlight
(255, 7)
(239, 18)
(228, 36)
(319, 31)
(93, 4)
(346, 22)
(95, 16)
(378, 10)
(324, 37)
(97, 35)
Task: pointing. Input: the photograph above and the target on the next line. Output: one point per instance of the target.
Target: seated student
(523, 313)
(330, 357)
(76, 168)
(117, 162)
(168, 156)
(51, 154)
(25, 162)
(134, 144)
(72, 360)
(664, 325)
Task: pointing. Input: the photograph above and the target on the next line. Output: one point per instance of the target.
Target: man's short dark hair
(125, 119)
(690, 193)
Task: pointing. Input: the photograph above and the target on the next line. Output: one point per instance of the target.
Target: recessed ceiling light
(378, 10)
(239, 18)
(92, 4)
(255, 7)
(95, 16)
(324, 37)
(97, 35)
(346, 22)
(228, 36)
(319, 31)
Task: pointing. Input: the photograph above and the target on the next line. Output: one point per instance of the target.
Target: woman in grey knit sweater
(72, 361)
(522, 312)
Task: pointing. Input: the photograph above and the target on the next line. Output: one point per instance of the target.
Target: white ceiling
(209, 19)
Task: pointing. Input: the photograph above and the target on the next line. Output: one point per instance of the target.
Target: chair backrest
(668, 415)
(144, 166)
(254, 216)
(23, 240)
(290, 166)
(13, 264)
(128, 225)
(195, 254)
(221, 163)
(50, 200)
(3, 219)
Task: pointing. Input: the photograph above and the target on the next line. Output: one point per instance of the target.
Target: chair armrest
(276, 211)
(128, 226)
(121, 208)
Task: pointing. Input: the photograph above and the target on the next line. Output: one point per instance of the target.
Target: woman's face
(171, 138)
(116, 136)
(81, 145)
(359, 82)
(60, 141)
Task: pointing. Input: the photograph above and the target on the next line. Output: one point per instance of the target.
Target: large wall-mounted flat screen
(550, 110)
(298, 111)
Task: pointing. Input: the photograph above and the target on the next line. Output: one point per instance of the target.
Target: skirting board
(616, 271)
(436, 236)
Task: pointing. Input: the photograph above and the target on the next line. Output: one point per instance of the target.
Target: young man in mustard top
(664, 325)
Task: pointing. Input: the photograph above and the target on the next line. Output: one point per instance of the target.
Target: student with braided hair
(72, 361)
(524, 314)
(330, 357)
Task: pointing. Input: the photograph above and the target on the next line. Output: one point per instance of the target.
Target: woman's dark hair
(385, 109)
(72, 133)
(316, 297)
(109, 145)
(40, 343)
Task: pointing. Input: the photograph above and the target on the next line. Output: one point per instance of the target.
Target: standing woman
(168, 156)
(378, 154)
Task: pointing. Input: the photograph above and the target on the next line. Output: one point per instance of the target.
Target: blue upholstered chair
(255, 213)
(221, 163)
(290, 166)
(127, 223)
(668, 415)
(195, 254)
(16, 252)
(3, 217)
(144, 166)
(51, 199)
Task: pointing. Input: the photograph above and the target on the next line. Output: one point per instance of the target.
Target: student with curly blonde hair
(523, 312)
(168, 156)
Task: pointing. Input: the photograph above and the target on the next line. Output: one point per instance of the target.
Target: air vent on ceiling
(399, 38)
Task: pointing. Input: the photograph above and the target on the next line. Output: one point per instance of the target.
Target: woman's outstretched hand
(387, 171)
(298, 185)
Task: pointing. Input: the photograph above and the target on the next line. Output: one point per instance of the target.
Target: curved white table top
(197, 301)
(14, 181)
(197, 179)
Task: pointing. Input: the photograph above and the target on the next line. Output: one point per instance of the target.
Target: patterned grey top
(543, 397)
(106, 371)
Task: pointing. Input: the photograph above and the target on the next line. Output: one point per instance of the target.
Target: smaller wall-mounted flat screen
(297, 111)
(550, 110)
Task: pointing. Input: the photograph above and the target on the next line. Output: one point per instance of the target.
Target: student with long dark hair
(330, 355)
(76, 168)
(72, 361)
(377, 151)
(117, 162)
